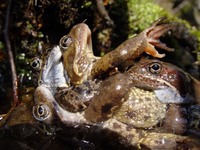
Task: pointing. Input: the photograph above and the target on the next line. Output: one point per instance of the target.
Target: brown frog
(141, 109)
(134, 120)
(81, 64)
(83, 67)
(131, 110)
(170, 83)
(105, 108)
(172, 86)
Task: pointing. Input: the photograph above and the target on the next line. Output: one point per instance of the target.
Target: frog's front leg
(134, 47)
(110, 96)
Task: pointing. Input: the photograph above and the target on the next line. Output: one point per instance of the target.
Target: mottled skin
(111, 94)
(83, 67)
(170, 83)
(179, 90)
(133, 130)
(106, 109)
(77, 98)
(80, 63)
(142, 109)
(126, 103)
(77, 52)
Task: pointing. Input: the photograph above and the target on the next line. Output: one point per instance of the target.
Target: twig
(180, 6)
(12, 65)
(103, 13)
(10, 55)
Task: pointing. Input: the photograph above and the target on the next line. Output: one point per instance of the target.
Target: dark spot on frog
(94, 108)
(106, 108)
(147, 99)
(116, 126)
(140, 100)
(147, 118)
(131, 114)
(129, 128)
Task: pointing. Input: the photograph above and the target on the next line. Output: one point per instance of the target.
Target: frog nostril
(155, 68)
(65, 42)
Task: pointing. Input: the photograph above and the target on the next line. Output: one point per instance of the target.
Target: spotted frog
(106, 109)
(132, 112)
(144, 106)
(81, 64)
(83, 67)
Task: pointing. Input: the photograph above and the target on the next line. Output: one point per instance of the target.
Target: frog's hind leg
(153, 34)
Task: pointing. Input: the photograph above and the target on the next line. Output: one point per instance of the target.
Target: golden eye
(36, 63)
(155, 68)
(65, 42)
(41, 112)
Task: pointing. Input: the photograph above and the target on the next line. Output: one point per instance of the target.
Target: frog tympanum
(127, 102)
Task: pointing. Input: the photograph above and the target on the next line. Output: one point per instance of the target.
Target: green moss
(2, 45)
(142, 13)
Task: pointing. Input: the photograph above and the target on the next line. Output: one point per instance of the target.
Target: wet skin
(80, 63)
(133, 110)
(105, 108)
(81, 66)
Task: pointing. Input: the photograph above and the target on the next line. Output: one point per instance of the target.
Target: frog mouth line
(169, 94)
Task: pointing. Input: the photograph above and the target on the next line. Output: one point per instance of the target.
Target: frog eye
(36, 64)
(65, 42)
(41, 112)
(155, 68)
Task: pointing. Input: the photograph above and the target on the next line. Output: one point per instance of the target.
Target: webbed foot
(153, 34)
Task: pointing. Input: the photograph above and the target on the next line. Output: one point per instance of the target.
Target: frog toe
(157, 43)
(150, 49)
